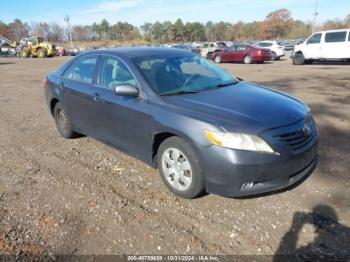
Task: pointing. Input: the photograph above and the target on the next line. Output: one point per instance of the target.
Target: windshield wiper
(221, 85)
(182, 92)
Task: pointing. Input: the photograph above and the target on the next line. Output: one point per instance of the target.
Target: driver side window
(113, 73)
(315, 39)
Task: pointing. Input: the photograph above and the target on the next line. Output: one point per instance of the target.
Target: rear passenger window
(83, 70)
(335, 37)
(315, 39)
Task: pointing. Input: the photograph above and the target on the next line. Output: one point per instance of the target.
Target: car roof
(333, 30)
(132, 52)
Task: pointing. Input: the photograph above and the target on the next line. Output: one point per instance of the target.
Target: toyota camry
(204, 129)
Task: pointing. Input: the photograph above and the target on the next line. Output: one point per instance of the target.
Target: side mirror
(126, 90)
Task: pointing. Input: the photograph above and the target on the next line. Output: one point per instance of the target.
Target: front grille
(298, 140)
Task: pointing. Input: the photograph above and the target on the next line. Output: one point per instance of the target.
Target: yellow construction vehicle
(35, 46)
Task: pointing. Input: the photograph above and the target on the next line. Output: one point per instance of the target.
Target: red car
(61, 51)
(242, 53)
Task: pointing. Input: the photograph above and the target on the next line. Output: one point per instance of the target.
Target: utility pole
(315, 15)
(67, 20)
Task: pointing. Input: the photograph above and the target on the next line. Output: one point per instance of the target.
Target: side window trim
(97, 69)
(77, 61)
(104, 57)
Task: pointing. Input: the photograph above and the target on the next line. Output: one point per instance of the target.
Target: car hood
(243, 107)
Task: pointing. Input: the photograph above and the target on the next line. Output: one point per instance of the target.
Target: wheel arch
(299, 52)
(53, 103)
(158, 139)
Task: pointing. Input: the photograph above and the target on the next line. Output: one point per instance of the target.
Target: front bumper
(226, 170)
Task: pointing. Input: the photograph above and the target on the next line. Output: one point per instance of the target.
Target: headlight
(238, 141)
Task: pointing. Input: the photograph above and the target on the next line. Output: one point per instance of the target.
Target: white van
(331, 44)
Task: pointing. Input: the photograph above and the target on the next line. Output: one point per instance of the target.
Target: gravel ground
(80, 196)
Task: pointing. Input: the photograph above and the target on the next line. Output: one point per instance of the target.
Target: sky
(138, 12)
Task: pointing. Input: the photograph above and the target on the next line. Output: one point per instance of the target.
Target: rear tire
(298, 59)
(180, 168)
(247, 59)
(63, 122)
(41, 53)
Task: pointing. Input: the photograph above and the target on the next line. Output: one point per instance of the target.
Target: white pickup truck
(325, 45)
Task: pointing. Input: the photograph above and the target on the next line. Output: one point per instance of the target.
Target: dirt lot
(80, 196)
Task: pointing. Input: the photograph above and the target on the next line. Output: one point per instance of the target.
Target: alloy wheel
(247, 59)
(218, 59)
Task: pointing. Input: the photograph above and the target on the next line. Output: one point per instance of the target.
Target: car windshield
(181, 74)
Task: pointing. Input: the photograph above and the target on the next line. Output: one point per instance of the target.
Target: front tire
(63, 122)
(23, 53)
(273, 56)
(180, 168)
(298, 59)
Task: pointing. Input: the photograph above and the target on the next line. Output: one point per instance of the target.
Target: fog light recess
(247, 185)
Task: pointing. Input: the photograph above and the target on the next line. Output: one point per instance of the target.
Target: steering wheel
(191, 79)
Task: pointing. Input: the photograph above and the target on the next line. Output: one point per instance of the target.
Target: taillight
(46, 83)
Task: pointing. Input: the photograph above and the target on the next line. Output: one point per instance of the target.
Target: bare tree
(19, 29)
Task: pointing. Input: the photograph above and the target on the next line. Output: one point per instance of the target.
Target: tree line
(277, 25)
